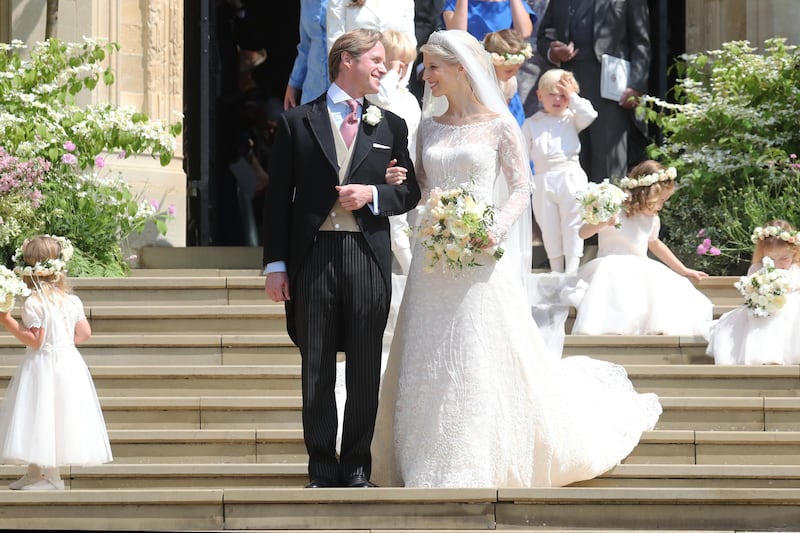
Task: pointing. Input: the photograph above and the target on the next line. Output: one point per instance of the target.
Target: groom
(327, 249)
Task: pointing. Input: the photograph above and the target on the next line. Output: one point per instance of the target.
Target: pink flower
(122, 154)
(69, 159)
(702, 249)
(701, 233)
(69, 146)
(792, 156)
(154, 203)
(171, 209)
(707, 243)
(714, 251)
(99, 162)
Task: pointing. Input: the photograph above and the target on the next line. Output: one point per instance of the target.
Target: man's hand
(277, 286)
(630, 98)
(560, 52)
(395, 175)
(291, 97)
(354, 196)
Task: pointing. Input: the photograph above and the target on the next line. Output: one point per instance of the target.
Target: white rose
(373, 115)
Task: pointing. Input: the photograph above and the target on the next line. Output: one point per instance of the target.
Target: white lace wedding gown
(470, 397)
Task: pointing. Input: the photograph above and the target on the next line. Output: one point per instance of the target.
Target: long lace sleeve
(515, 169)
(419, 168)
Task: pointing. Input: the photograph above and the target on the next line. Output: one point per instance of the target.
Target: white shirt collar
(337, 95)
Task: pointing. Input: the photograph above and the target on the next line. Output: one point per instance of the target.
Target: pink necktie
(349, 126)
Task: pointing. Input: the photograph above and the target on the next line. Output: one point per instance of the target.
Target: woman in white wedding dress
(471, 397)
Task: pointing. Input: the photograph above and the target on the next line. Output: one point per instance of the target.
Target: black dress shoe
(358, 481)
(320, 484)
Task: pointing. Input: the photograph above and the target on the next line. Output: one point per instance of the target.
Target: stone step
(199, 349)
(391, 509)
(169, 290)
(277, 348)
(116, 476)
(281, 380)
(145, 446)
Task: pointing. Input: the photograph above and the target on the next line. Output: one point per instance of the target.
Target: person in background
(553, 146)
(509, 51)
(574, 35)
(480, 17)
(309, 77)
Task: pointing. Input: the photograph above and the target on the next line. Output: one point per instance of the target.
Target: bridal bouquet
(765, 290)
(454, 227)
(600, 202)
(11, 286)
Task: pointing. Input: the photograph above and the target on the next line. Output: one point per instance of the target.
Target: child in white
(629, 293)
(741, 338)
(553, 146)
(395, 96)
(51, 416)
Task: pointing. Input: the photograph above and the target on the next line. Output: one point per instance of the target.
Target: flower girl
(628, 293)
(51, 415)
(765, 330)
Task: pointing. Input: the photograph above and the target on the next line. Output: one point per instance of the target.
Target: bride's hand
(395, 175)
(489, 244)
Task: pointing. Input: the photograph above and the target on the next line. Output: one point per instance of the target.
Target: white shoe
(24, 481)
(45, 484)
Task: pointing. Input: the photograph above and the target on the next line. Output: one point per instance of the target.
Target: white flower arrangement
(454, 228)
(48, 267)
(600, 202)
(512, 59)
(765, 290)
(373, 115)
(668, 174)
(760, 233)
(11, 286)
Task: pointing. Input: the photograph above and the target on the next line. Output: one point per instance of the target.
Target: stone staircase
(200, 388)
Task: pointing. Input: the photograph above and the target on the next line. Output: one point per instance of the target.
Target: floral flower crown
(45, 268)
(759, 234)
(667, 174)
(515, 58)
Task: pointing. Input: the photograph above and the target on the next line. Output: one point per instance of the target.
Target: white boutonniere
(373, 115)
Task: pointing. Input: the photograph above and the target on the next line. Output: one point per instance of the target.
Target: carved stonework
(163, 58)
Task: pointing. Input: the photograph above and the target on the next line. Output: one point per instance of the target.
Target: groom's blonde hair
(355, 43)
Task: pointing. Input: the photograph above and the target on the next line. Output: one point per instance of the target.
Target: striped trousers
(341, 304)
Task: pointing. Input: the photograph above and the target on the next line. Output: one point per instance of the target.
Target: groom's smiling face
(366, 70)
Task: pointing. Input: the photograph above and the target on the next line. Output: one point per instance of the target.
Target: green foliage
(733, 136)
(39, 118)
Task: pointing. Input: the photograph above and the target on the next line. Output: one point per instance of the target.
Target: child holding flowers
(51, 415)
(628, 293)
(764, 331)
(552, 139)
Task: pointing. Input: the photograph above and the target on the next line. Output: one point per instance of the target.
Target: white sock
(573, 262)
(556, 263)
(51, 473)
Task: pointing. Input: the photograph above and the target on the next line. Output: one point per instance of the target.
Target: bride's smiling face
(442, 77)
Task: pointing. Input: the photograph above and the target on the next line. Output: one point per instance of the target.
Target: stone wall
(149, 77)
(709, 23)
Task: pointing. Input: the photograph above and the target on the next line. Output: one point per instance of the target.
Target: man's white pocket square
(381, 146)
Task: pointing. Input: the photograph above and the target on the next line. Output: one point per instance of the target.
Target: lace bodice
(458, 154)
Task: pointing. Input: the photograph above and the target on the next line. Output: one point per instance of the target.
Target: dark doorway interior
(239, 54)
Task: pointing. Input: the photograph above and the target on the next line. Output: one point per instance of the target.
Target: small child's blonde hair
(39, 250)
(503, 42)
(645, 197)
(398, 46)
(549, 79)
(776, 241)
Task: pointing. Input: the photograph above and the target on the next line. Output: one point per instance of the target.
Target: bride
(471, 397)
